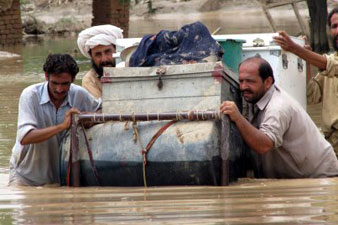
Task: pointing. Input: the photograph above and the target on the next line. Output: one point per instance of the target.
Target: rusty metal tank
(208, 152)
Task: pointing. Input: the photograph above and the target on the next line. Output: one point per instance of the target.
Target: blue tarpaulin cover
(192, 43)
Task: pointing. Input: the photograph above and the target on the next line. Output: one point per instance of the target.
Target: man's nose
(59, 88)
(105, 58)
(243, 85)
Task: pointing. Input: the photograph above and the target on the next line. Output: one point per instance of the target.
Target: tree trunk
(318, 16)
(115, 12)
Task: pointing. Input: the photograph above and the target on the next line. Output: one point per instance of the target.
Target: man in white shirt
(44, 115)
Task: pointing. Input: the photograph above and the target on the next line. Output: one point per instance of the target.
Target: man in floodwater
(284, 140)
(98, 43)
(44, 114)
(324, 86)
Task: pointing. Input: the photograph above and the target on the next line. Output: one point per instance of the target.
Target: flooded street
(305, 201)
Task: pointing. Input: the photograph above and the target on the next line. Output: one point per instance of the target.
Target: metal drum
(193, 151)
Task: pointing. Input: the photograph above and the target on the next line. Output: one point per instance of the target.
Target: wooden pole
(282, 3)
(268, 15)
(75, 169)
(300, 20)
(266, 6)
(191, 115)
(225, 138)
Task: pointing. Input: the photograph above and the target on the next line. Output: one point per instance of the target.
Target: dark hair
(264, 68)
(333, 11)
(60, 63)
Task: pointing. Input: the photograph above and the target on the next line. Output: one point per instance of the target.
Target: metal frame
(266, 6)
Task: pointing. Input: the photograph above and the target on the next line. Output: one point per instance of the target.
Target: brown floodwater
(249, 201)
(305, 201)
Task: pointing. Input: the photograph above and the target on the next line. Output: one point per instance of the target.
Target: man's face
(102, 56)
(334, 30)
(58, 86)
(251, 84)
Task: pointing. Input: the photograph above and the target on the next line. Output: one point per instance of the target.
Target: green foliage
(24, 2)
(150, 7)
(151, 10)
(125, 1)
(66, 21)
(66, 25)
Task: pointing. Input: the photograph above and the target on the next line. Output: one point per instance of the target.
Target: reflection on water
(28, 67)
(309, 201)
(9, 96)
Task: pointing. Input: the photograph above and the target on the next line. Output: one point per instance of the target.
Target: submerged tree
(318, 17)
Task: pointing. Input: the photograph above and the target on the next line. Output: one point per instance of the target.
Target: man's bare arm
(40, 135)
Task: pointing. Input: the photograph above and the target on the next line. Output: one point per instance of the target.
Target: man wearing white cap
(98, 43)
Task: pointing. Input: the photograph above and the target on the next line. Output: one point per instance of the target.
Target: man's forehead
(249, 69)
(252, 63)
(60, 77)
(102, 47)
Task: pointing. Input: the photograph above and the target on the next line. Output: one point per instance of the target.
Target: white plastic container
(289, 70)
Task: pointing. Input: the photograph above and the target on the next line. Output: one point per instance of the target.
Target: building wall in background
(10, 24)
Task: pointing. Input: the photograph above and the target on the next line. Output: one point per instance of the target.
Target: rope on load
(149, 145)
(137, 134)
(152, 141)
(90, 154)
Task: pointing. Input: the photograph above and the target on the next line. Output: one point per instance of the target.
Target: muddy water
(312, 201)
(232, 20)
(307, 201)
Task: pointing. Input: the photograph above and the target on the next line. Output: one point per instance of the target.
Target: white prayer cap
(98, 35)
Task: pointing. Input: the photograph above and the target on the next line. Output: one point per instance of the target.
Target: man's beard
(334, 43)
(99, 69)
(255, 96)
